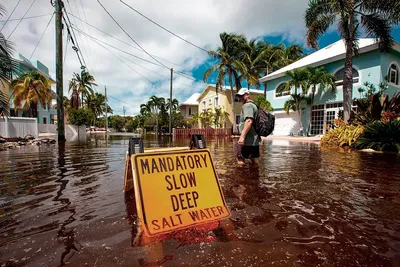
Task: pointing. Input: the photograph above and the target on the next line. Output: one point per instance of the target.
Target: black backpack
(264, 123)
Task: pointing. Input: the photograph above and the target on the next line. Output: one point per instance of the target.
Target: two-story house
(210, 98)
(189, 108)
(370, 66)
(46, 115)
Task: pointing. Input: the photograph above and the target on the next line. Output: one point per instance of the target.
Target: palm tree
(376, 17)
(174, 104)
(229, 57)
(287, 55)
(97, 104)
(30, 89)
(73, 86)
(318, 76)
(7, 66)
(252, 61)
(85, 82)
(156, 104)
(298, 80)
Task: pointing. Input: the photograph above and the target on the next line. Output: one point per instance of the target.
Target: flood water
(302, 206)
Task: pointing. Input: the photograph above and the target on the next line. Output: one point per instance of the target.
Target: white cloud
(199, 21)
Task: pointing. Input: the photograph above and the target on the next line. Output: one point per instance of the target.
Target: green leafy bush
(344, 135)
(118, 123)
(81, 116)
(381, 136)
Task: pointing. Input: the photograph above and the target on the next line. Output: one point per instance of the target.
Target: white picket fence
(18, 127)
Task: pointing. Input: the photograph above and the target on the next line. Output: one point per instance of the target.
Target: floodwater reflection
(301, 206)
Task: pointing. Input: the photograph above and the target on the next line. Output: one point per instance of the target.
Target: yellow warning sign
(176, 190)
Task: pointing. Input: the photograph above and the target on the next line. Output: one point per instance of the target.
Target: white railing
(18, 127)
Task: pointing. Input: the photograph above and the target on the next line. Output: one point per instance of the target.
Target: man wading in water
(249, 141)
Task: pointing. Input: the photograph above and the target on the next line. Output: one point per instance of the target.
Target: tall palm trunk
(233, 102)
(348, 80)
(311, 104)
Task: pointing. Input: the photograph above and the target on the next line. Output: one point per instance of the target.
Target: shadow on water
(301, 206)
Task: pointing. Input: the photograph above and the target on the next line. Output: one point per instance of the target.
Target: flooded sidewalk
(301, 206)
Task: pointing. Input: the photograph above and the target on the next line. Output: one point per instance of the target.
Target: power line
(130, 36)
(148, 61)
(164, 27)
(76, 48)
(124, 41)
(32, 17)
(118, 99)
(12, 12)
(124, 62)
(33, 52)
(123, 51)
(21, 19)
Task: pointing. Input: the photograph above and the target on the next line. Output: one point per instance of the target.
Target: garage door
(286, 124)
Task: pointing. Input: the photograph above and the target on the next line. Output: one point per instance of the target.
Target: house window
(393, 75)
(44, 120)
(190, 111)
(282, 90)
(339, 76)
(216, 103)
(204, 104)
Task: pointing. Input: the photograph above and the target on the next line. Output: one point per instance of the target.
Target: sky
(131, 81)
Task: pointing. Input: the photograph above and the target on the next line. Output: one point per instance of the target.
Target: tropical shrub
(381, 136)
(263, 103)
(118, 123)
(81, 116)
(342, 136)
(376, 106)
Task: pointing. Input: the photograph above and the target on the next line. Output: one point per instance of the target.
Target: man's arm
(246, 128)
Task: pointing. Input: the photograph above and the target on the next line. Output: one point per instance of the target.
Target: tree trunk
(233, 102)
(311, 104)
(81, 100)
(348, 73)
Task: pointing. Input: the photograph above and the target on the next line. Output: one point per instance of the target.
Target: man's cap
(243, 91)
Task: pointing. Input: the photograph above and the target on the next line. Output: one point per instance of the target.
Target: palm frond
(380, 28)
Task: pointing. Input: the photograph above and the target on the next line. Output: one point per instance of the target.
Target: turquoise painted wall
(386, 60)
(368, 66)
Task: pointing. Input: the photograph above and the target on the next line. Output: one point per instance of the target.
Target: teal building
(370, 66)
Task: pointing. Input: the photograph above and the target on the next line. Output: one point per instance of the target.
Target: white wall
(18, 127)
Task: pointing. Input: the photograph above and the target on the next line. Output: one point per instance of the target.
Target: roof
(224, 88)
(330, 53)
(192, 100)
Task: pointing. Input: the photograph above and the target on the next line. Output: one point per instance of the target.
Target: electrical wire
(77, 48)
(21, 19)
(12, 12)
(123, 61)
(33, 52)
(125, 42)
(130, 36)
(163, 27)
(74, 27)
(117, 99)
(32, 17)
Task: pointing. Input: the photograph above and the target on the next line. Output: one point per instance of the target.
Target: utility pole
(105, 91)
(59, 70)
(123, 110)
(170, 103)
